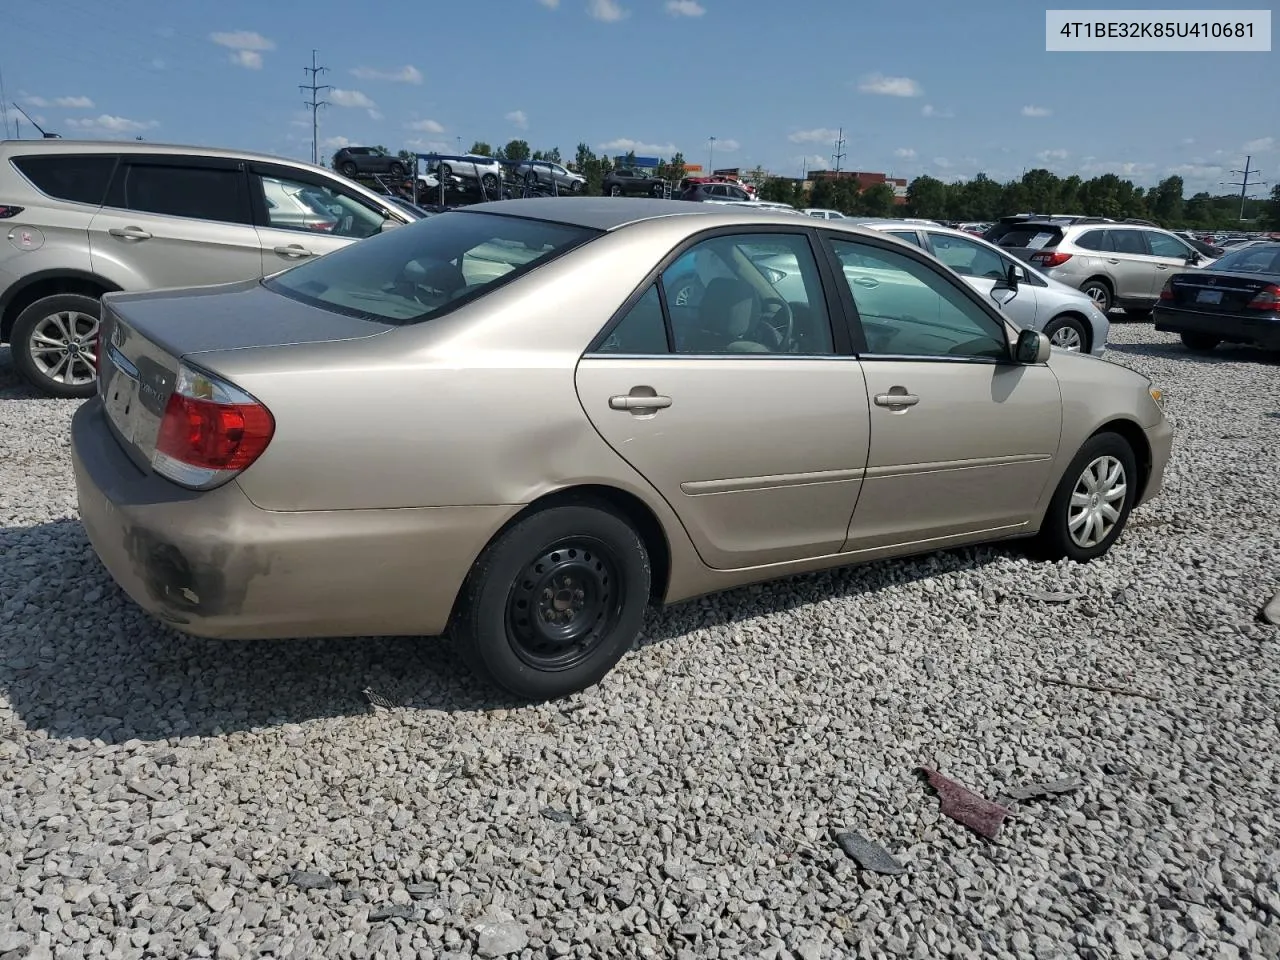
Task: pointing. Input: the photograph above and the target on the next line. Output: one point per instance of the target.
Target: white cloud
(351, 98)
(1051, 156)
(813, 161)
(425, 126)
(35, 101)
(518, 119)
(726, 145)
(107, 123)
(1095, 168)
(334, 143)
(1195, 171)
(550, 4)
(890, 86)
(431, 146)
(609, 11)
(1261, 145)
(405, 74)
(685, 8)
(905, 153)
(816, 135)
(1188, 141)
(942, 163)
(1030, 111)
(937, 113)
(157, 64)
(246, 46)
(625, 145)
(75, 103)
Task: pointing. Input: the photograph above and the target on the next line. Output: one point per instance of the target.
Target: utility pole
(315, 104)
(839, 154)
(4, 114)
(1244, 183)
(711, 155)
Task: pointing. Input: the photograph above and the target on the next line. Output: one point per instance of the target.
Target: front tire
(398, 170)
(348, 169)
(615, 191)
(1068, 333)
(1200, 342)
(490, 183)
(54, 344)
(554, 602)
(1091, 506)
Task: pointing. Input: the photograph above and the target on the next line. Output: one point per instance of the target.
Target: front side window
(967, 258)
(908, 309)
(298, 205)
(79, 179)
(425, 269)
(202, 193)
(1163, 245)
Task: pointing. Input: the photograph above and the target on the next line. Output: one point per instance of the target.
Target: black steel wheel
(348, 169)
(564, 603)
(555, 601)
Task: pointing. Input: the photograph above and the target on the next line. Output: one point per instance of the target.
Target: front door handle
(294, 251)
(896, 399)
(1162, 266)
(1109, 260)
(639, 402)
(129, 233)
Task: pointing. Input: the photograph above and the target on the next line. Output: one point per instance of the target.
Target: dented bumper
(213, 564)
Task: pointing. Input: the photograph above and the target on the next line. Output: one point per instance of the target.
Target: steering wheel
(783, 331)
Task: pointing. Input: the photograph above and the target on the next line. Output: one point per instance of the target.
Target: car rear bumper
(213, 564)
(1264, 330)
(1160, 439)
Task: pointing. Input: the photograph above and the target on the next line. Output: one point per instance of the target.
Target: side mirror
(1004, 291)
(1014, 276)
(1194, 257)
(1032, 347)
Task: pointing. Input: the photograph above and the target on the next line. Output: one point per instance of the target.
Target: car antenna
(47, 136)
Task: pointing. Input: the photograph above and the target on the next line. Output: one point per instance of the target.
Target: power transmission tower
(839, 154)
(314, 103)
(1244, 183)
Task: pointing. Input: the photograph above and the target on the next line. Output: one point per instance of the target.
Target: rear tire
(53, 342)
(490, 183)
(1087, 494)
(615, 191)
(1099, 291)
(348, 169)
(554, 602)
(1199, 342)
(398, 170)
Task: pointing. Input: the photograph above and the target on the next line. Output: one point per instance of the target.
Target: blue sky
(941, 88)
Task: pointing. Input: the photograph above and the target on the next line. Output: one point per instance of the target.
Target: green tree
(876, 201)
(481, 149)
(516, 150)
(630, 159)
(927, 197)
(408, 156)
(1040, 190)
(1271, 216)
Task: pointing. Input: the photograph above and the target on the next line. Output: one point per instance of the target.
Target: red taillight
(8, 213)
(211, 430)
(1268, 298)
(1050, 259)
(1166, 293)
(322, 226)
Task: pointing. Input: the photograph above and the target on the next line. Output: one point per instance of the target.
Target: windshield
(1260, 259)
(416, 272)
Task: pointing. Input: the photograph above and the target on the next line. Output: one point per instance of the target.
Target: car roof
(612, 213)
(51, 146)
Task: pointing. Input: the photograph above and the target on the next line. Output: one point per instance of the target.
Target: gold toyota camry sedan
(522, 422)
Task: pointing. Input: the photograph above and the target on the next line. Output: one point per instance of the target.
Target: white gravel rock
(165, 796)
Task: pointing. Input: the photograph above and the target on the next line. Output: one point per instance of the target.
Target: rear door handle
(896, 399)
(294, 251)
(129, 233)
(632, 402)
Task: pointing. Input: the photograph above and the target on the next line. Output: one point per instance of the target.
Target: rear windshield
(1259, 259)
(1036, 236)
(430, 267)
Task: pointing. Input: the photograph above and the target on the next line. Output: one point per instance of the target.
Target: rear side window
(202, 193)
(1093, 240)
(79, 179)
(420, 271)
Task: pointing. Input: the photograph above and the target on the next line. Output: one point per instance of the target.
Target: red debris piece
(966, 807)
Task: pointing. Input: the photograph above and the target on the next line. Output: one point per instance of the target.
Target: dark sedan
(1236, 300)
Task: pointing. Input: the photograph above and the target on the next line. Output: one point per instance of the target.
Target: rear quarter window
(79, 178)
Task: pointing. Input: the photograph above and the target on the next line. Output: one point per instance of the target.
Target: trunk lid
(1208, 292)
(145, 336)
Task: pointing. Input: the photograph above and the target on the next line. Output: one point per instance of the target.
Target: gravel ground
(168, 797)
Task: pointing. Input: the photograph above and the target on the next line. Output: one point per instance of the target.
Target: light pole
(711, 155)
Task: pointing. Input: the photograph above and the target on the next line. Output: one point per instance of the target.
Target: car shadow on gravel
(12, 386)
(78, 659)
(1174, 350)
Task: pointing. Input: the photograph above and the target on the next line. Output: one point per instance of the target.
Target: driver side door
(285, 237)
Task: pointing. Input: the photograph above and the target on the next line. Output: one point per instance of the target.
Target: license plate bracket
(1209, 296)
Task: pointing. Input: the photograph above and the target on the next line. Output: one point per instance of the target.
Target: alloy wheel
(1068, 338)
(1096, 502)
(63, 347)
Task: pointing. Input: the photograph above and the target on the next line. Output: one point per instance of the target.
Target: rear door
(283, 238)
(748, 417)
(173, 221)
(1130, 265)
